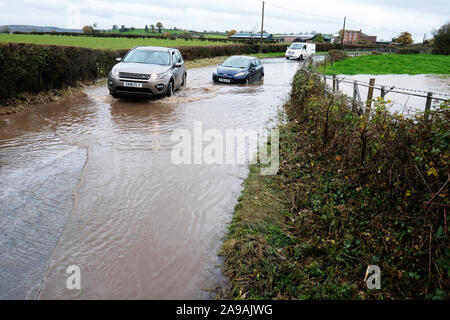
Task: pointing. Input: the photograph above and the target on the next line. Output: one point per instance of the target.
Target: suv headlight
(115, 73)
(156, 76)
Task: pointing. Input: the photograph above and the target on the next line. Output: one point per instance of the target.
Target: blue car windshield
(149, 57)
(236, 62)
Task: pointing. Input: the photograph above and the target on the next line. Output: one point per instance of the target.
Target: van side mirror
(177, 64)
(118, 59)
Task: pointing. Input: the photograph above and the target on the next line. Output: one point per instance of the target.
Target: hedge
(35, 68)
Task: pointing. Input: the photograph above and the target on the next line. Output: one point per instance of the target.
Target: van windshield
(297, 46)
(161, 58)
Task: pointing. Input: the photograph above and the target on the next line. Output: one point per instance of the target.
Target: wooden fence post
(325, 85)
(367, 115)
(370, 96)
(383, 92)
(334, 83)
(355, 95)
(428, 105)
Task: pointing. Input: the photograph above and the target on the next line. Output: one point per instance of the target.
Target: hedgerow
(35, 68)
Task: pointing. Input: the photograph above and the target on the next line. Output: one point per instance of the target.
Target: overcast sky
(383, 18)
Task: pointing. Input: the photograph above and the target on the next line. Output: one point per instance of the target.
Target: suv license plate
(224, 80)
(132, 84)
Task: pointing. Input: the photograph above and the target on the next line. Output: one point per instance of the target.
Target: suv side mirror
(177, 64)
(118, 59)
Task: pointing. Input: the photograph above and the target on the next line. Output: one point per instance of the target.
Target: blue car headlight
(240, 74)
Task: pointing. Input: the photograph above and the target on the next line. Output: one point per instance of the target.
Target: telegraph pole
(262, 29)
(343, 33)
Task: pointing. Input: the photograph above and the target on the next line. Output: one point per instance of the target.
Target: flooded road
(90, 182)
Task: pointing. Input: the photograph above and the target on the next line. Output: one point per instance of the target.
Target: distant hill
(27, 28)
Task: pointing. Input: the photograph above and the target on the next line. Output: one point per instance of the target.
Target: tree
(159, 25)
(115, 27)
(146, 28)
(152, 26)
(442, 39)
(88, 30)
(319, 38)
(231, 32)
(404, 38)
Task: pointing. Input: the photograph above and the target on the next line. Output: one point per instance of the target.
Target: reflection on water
(89, 182)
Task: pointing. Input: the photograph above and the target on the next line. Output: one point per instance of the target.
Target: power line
(326, 17)
(298, 11)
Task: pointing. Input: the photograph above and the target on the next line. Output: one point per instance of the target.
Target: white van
(300, 50)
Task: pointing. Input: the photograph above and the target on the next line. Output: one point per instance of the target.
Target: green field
(391, 64)
(176, 32)
(101, 43)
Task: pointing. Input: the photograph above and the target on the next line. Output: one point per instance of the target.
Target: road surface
(89, 182)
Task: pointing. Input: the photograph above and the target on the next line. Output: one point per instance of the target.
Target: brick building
(355, 37)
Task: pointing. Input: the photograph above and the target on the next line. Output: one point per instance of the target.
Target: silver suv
(147, 72)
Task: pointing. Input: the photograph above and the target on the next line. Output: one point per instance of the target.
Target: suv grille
(139, 76)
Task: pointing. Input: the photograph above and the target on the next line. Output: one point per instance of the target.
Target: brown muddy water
(89, 182)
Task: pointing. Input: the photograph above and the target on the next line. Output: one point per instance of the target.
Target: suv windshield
(296, 46)
(147, 56)
(236, 62)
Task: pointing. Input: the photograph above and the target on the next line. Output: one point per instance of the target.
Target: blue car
(239, 69)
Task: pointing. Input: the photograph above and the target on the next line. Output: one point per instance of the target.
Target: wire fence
(358, 103)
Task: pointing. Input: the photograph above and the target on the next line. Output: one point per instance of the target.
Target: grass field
(177, 32)
(392, 64)
(101, 43)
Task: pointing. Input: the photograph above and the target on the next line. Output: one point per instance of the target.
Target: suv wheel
(183, 83)
(170, 89)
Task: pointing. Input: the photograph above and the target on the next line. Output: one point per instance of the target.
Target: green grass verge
(392, 64)
(271, 251)
(101, 43)
(257, 237)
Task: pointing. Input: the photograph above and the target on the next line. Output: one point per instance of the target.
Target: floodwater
(405, 104)
(89, 182)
